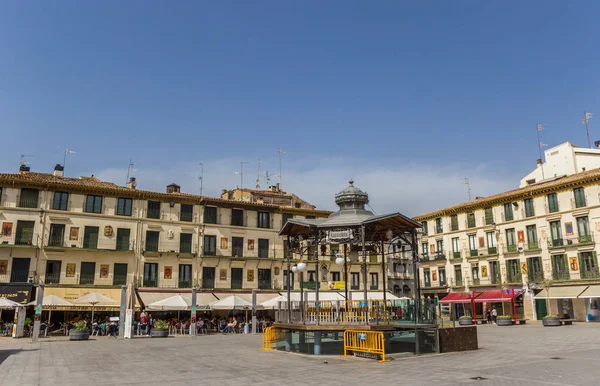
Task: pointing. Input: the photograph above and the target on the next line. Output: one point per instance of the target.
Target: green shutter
(580, 258)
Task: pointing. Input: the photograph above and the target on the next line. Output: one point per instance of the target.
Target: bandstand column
(364, 266)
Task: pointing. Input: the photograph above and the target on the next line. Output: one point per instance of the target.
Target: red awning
(497, 296)
(460, 297)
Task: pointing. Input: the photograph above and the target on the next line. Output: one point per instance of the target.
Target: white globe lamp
(339, 260)
(301, 267)
(294, 269)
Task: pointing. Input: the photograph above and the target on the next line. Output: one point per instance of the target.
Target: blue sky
(405, 97)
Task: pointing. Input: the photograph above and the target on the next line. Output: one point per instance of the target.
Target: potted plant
(160, 330)
(551, 321)
(79, 331)
(504, 320)
(465, 320)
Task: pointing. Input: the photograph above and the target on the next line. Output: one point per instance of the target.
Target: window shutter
(595, 260)
(580, 258)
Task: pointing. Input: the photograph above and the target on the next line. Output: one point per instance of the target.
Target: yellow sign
(524, 268)
(573, 263)
(337, 285)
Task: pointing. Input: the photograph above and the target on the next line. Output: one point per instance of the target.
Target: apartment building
(73, 234)
(541, 236)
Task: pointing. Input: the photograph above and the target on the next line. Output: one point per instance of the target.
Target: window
(210, 214)
(579, 197)
(287, 273)
(87, 273)
(473, 245)
(511, 241)
(458, 275)
(237, 278)
(124, 207)
(560, 267)
(29, 198)
(552, 203)
(442, 275)
(471, 220)
(237, 217)
(150, 274)
(529, 209)
(439, 245)
(120, 274)
(439, 226)
(264, 220)
(335, 276)
(508, 212)
(424, 226)
(588, 265)
(489, 216)
(187, 212)
(427, 278)
(185, 276)
(60, 201)
(208, 276)
(495, 275)
(355, 280)
(424, 250)
(52, 272)
(374, 279)
(475, 274)
(534, 269)
(263, 248)
(285, 217)
(310, 217)
(24, 234)
(153, 209)
(583, 229)
(93, 204)
(57, 235)
(455, 248)
(491, 242)
(454, 222)
(532, 242)
(264, 278)
(513, 272)
(237, 246)
(90, 237)
(123, 239)
(556, 234)
(185, 242)
(210, 245)
(152, 239)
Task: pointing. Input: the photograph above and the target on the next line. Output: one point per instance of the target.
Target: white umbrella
(273, 304)
(7, 303)
(232, 302)
(51, 301)
(173, 303)
(94, 298)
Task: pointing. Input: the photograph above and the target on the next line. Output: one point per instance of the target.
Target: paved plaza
(519, 355)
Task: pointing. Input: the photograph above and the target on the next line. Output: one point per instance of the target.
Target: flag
(69, 151)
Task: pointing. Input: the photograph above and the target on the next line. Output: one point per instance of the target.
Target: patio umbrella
(51, 301)
(173, 303)
(273, 304)
(233, 302)
(9, 304)
(94, 298)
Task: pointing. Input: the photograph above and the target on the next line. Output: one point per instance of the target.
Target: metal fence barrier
(371, 342)
(271, 336)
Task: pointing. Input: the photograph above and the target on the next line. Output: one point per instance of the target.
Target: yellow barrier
(268, 338)
(372, 342)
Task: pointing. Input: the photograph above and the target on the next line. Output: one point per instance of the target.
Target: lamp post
(301, 267)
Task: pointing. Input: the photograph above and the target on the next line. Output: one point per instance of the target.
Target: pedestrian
(488, 314)
(150, 324)
(494, 314)
(143, 320)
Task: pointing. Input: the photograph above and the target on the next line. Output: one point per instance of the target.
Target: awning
(70, 294)
(149, 297)
(497, 296)
(567, 292)
(593, 291)
(459, 297)
(261, 297)
(371, 295)
(323, 296)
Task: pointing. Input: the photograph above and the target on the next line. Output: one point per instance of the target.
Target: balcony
(427, 284)
(511, 249)
(83, 280)
(492, 251)
(476, 281)
(535, 277)
(532, 246)
(18, 277)
(171, 248)
(590, 274)
(458, 283)
(560, 275)
(474, 253)
(437, 256)
(572, 241)
(439, 229)
(556, 243)
(496, 279)
(514, 279)
(19, 240)
(59, 242)
(456, 256)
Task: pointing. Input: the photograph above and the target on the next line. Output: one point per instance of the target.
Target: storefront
(20, 293)
(506, 302)
(457, 304)
(591, 296)
(564, 301)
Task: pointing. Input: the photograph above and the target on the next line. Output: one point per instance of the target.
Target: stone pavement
(516, 355)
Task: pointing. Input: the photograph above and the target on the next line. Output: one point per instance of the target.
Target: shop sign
(340, 235)
(337, 285)
(19, 294)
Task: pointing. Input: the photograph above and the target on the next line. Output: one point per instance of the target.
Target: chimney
(132, 184)
(59, 170)
(539, 162)
(24, 169)
(173, 188)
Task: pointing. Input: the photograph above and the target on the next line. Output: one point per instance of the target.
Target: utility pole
(586, 117)
(258, 175)
(129, 170)
(466, 182)
(281, 152)
(201, 177)
(241, 173)
(540, 145)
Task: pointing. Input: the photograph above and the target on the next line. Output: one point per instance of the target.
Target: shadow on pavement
(4, 354)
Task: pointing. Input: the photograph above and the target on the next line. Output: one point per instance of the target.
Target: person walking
(150, 324)
(494, 314)
(143, 320)
(488, 315)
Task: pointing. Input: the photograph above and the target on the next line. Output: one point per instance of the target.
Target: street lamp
(301, 267)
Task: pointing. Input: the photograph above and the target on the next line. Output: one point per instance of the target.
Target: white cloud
(407, 188)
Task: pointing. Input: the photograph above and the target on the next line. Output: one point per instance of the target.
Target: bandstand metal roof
(352, 215)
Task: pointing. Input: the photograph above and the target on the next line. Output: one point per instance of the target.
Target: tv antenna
(268, 178)
(586, 117)
(201, 177)
(67, 152)
(466, 182)
(280, 153)
(130, 170)
(540, 145)
(258, 175)
(24, 162)
(241, 173)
